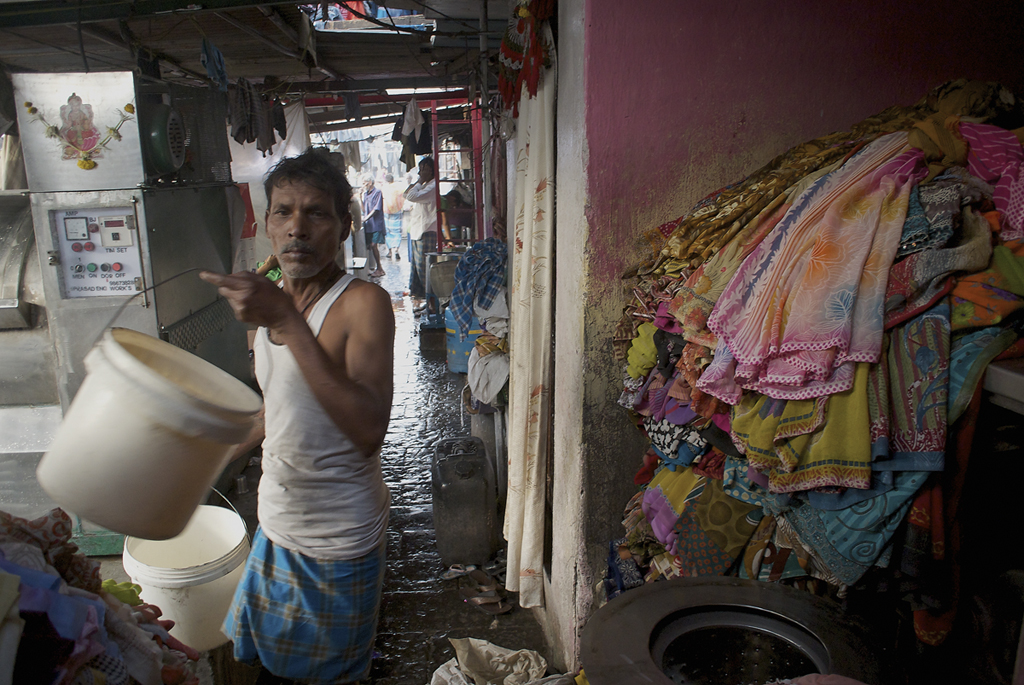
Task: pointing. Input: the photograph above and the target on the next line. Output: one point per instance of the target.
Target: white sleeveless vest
(319, 494)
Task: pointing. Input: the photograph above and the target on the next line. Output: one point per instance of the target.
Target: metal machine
(129, 186)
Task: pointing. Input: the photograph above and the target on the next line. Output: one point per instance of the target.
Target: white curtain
(531, 245)
(249, 165)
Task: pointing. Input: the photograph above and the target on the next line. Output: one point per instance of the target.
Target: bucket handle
(133, 296)
(248, 537)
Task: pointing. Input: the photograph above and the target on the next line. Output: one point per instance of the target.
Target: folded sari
(806, 305)
(799, 449)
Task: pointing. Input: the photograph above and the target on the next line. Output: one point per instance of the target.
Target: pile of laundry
(804, 350)
(62, 624)
(480, 291)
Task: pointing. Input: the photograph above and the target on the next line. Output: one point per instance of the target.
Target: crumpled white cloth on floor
(483, 663)
(448, 673)
(486, 375)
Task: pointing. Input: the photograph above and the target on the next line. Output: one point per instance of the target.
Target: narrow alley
(419, 611)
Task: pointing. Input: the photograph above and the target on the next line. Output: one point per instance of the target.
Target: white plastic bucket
(148, 433)
(192, 577)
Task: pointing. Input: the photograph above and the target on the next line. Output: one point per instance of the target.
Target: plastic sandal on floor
(493, 606)
(489, 601)
(481, 582)
(496, 568)
(457, 571)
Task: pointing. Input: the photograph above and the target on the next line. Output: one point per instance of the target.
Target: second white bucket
(149, 431)
(192, 577)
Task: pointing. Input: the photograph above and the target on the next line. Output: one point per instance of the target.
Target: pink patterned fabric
(996, 156)
(806, 305)
(51, 533)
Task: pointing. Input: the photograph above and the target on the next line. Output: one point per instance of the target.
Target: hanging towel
(278, 119)
(352, 108)
(412, 120)
(212, 58)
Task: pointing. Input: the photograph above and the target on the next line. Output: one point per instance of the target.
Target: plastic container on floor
(464, 501)
(192, 577)
(458, 350)
(149, 431)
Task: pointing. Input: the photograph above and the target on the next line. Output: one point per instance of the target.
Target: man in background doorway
(373, 222)
(422, 224)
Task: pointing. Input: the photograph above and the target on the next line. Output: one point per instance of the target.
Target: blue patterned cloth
(312, 620)
(852, 540)
(478, 279)
(968, 361)
(917, 232)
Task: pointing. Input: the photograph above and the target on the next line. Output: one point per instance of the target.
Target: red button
(89, 247)
(93, 228)
(76, 247)
(116, 266)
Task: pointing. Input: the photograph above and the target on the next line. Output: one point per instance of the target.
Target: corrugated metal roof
(257, 42)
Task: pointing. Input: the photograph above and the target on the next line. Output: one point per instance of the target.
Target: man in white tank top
(307, 606)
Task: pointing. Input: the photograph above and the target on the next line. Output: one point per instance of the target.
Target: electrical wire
(81, 41)
(116, 63)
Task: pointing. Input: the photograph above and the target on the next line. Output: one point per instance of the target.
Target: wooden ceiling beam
(373, 85)
(345, 125)
(109, 37)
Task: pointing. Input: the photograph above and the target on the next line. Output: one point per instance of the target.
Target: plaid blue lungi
(310, 620)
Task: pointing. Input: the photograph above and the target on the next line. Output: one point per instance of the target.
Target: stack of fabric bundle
(61, 623)
(804, 350)
(480, 292)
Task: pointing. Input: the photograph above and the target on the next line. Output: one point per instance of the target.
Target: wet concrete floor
(419, 611)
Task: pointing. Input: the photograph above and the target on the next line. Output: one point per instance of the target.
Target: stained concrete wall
(660, 103)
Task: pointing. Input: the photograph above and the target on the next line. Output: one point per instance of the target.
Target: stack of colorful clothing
(805, 347)
(61, 623)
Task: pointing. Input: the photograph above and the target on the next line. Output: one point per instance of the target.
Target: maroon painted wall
(684, 97)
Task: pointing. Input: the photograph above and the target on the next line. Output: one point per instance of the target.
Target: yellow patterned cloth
(642, 355)
(799, 449)
(725, 520)
(487, 344)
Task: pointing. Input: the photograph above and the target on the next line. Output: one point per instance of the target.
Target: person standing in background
(355, 213)
(422, 225)
(373, 222)
(394, 203)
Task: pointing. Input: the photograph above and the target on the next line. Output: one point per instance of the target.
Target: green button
(91, 267)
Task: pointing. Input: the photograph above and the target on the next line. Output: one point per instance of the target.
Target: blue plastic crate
(458, 350)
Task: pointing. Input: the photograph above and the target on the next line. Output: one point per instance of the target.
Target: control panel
(97, 251)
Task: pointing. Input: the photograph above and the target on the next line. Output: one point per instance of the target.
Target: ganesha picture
(78, 135)
(78, 130)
